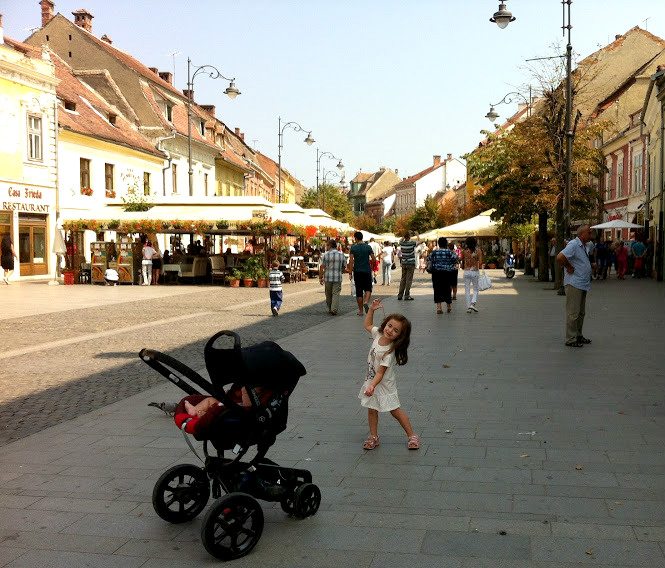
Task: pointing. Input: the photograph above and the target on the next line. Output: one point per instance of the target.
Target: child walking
(379, 391)
(276, 277)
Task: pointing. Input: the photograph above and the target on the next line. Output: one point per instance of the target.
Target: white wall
(429, 185)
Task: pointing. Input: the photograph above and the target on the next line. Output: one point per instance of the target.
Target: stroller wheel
(232, 526)
(307, 500)
(181, 493)
(288, 503)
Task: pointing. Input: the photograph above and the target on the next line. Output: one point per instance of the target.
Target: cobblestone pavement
(63, 361)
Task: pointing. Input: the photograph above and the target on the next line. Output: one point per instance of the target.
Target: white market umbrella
(617, 224)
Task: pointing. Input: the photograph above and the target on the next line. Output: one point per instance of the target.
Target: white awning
(478, 226)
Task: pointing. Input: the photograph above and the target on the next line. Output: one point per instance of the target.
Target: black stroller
(267, 374)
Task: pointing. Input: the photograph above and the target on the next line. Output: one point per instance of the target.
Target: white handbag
(484, 281)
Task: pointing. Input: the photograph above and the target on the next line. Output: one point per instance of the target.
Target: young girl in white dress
(379, 391)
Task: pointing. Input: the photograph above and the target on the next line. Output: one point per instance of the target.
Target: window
(637, 171)
(202, 128)
(146, 183)
(205, 183)
(608, 182)
(85, 172)
(69, 105)
(35, 138)
(174, 177)
(168, 112)
(108, 177)
(112, 118)
(620, 178)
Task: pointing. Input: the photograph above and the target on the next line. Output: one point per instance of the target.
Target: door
(32, 245)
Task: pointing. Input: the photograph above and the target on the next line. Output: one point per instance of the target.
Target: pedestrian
(639, 250)
(442, 265)
(360, 271)
(276, 278)
(577, 281)
(331, 267)
(7, 256)
(146, 263)
(407, 249)
(621, 254)
(472, 260)
(376, 249)
(387, 260)
(422, 253)
(390, 342)
(111, 277)
(156, 265)
(455, 273)
(552, 257)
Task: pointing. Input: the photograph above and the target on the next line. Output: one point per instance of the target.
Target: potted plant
(262, 280)
(491, 262)
(234, 278)
(86, 191)
(247, 278)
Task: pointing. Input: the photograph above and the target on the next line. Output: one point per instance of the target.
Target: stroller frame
(234, 523)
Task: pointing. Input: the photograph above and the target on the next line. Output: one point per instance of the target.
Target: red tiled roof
(29, 50)
(414, 178)
(362, 177)
(90, 116)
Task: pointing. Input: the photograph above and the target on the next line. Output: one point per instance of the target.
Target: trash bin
(69, 277)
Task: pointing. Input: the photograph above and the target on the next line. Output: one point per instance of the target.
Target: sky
(380, 83)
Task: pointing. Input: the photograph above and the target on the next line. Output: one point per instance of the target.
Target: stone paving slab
(560, 450)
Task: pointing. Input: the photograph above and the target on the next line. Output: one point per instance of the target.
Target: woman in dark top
(7, 256)
(442, 265)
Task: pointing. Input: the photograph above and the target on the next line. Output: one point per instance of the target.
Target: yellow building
(28, 157)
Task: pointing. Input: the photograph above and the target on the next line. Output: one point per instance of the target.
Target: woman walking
(7, 256)
(387, 260)
(455, 273)
(442, 265)
(472, 259)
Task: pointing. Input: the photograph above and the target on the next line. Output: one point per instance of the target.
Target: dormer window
(112, 118)
(70, 105)
(168, 112)
(202, 128)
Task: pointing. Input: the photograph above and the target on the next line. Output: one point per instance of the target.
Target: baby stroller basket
(234, 523)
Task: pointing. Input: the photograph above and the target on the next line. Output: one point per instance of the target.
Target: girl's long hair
(401, 344)
(471, 244)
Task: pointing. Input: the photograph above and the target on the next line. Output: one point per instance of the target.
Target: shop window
(32, 245)
(35, 138)
(84, 170)
(146, 183)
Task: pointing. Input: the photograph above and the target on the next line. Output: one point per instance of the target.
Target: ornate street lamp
(319, 155)
(502, 17)
(342, 183)
(492, 115)
(280, 131)
(231, 91)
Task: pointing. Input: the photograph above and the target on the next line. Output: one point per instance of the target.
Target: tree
(331, 199)
(425, 217)
(448, 213)
(365, 222)
(402, 225)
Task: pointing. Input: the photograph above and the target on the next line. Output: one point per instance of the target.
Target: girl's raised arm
(369, 318)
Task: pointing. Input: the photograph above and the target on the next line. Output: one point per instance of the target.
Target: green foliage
(254, 268)
(426, 217)
(135, 200)
(365, 222)
(333, 199)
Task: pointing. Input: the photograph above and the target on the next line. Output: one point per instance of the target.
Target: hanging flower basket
(110, 193)
(87, 191)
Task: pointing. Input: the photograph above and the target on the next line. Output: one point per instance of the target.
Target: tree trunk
(543, 256)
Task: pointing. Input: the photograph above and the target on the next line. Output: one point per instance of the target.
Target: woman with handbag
(472, 260)
(441, 265)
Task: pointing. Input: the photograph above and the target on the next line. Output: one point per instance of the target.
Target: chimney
(210, 109)
(396, 172)
(618, 36)
(437, 160)
(450, 157)
(107, 39)
(154, 70)
(189, 93)
(83, 19)
(47, 11)
(166, 76)
(239, 134)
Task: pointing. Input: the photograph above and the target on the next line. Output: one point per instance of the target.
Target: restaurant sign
(259, 214)
(25, 199)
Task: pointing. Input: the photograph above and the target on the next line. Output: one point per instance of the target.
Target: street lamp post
(339, 175)
(319, 155)
(502, 18)
(231, 91)
(280, 136)
(492, 115)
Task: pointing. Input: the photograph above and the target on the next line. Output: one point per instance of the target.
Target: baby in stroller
(252, 412)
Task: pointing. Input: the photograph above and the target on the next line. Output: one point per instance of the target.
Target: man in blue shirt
(360, 258)
(577, 279)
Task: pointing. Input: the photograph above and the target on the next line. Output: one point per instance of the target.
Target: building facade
(28, 156)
